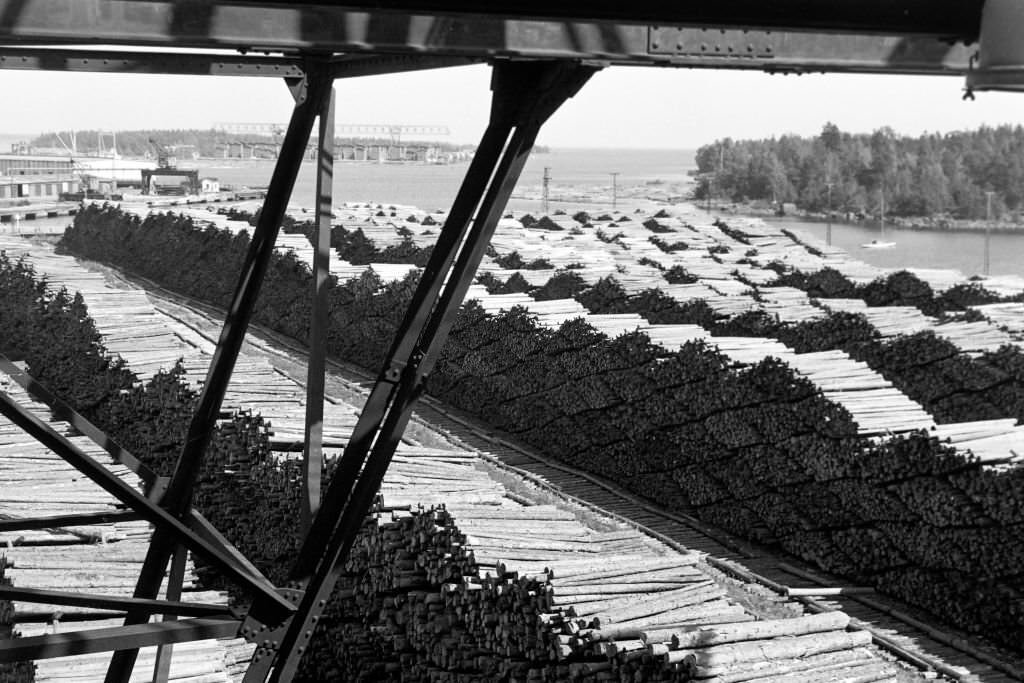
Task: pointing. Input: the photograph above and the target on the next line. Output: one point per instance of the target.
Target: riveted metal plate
(266, 637)
(710, 42)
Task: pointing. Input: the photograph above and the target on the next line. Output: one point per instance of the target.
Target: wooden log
(781, 648)
(768, 670)
(757, 630)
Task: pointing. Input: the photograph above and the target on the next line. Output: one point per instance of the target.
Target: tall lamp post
(988, 228)
(615, 188)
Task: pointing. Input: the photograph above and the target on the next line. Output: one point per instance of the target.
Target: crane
(164, 156)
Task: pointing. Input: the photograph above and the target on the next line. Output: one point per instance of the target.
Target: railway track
(894, 626)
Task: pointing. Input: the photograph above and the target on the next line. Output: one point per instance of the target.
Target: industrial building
(35, 165)
(35, 188)
(33, 178)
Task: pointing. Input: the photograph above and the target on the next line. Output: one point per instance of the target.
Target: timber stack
(754, 449)
(99, 558)
(483, 588)
(415, 606)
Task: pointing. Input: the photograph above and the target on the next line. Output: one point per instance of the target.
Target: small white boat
(875, 244)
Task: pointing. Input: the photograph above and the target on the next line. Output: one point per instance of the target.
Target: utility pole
(828, 229)
(881, 211)
(721, 168)
(615, 188)
(547, 183)
(988, 228)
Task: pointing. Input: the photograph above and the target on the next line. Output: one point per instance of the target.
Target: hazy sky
(620, 107)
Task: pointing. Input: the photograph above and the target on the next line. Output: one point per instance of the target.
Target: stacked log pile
(901, 303)
(495, 580)
(913, 381)
(131, 328)
(1008, 316)
(875, 405)
(892, 321)
(788, 304)
(712, 251)
(755, 449)
(101, 558)
(486, 589)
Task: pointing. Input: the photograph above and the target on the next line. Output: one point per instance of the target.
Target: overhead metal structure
(541, 54)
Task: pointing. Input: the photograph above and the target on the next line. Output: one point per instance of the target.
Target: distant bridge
(393, 131)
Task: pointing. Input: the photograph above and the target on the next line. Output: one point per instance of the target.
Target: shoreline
(916, 224)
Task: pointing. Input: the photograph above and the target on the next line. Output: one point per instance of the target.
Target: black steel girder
(211, 64)
(310, 94)
(110, 602)
(214, 21)
(958, 18)
(802, 38)
(525, 95)
(312, 453)
(165, 522)
(131, 62)
(154, 485)
(57, 521)
(106, 639)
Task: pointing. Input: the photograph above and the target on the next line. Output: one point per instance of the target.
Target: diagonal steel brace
(127, 494)
(178, 497)
(525, 95)
(153, 483)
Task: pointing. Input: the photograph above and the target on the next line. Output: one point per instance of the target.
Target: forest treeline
(933, 175)
(136, 143)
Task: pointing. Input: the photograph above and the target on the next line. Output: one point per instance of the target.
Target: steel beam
(312, 454)
(806, 35)
(62, 411)
(236, 323)
(192, 64)
(155, 485)
(175, 581)
(209, 533)
(372, 415)
(356, 65)
(525, 95)
(309, 102)
(936, 17)
(74, 643)
(110, 602)
(788, 51)
(310, 25)
(60, 617)
(147, 509)
(113, 61)
(58, 521)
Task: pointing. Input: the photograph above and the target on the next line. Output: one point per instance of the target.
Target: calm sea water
(960, 250)
(434, 187)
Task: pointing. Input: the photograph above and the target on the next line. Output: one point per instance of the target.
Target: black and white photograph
(413, 341)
